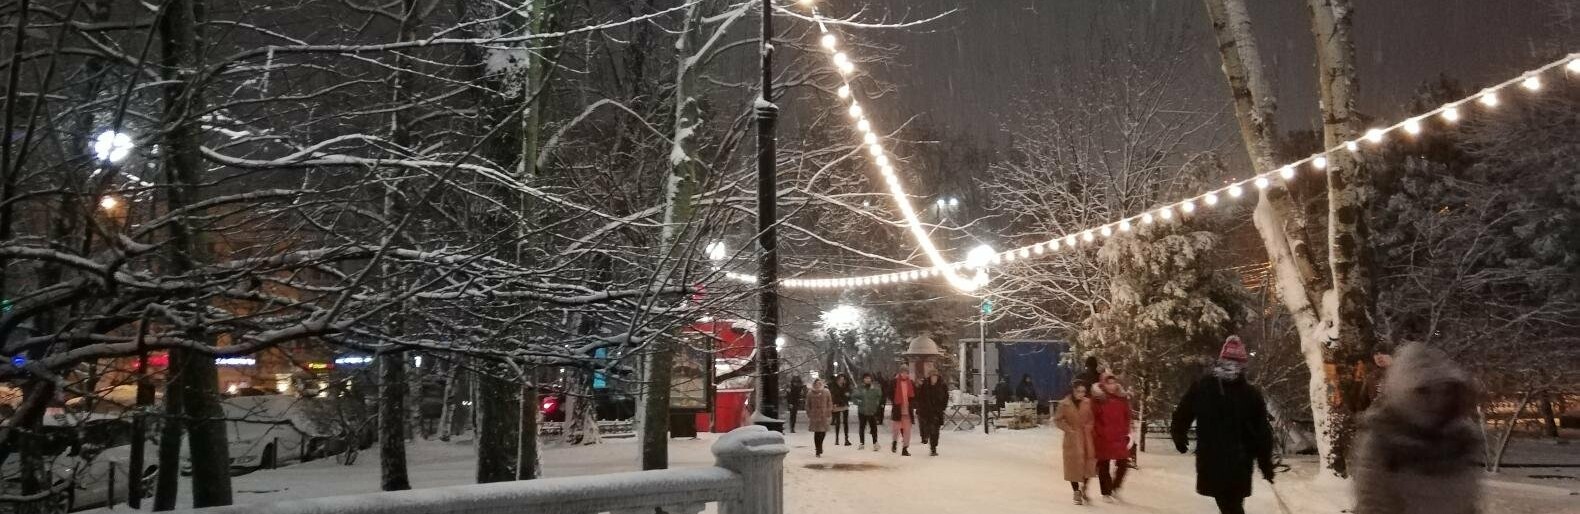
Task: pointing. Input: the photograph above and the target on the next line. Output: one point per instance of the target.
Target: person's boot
(875, 446)
(933, 450)
(894, 446)
(1078, 498)
(905, 452)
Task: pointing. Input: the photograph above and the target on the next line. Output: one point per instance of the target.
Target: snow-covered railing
(747, 478)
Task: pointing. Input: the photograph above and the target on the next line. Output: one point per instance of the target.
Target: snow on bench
(747, 478)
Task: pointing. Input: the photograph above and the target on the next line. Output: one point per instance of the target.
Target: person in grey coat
(1419, 444)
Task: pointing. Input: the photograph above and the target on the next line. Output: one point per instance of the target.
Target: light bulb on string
(870, 138)
(1187, 207)
(1210, 199)
(1040, 248)
(1166, 213)
(1489, 99)
(1087, 236)
(1288, 172)
(1108, 231)
(1069, 240)
(1574, 65)
(1352, 146)
(1146, 218)
(1412, 126)
(1235, 191)
(1531, 83)
(1124, 225)
(1053, 245)
(1025, 252)
(1320, 162)
(875, 150)
(829, 41)
(840, 59)
(1374, 136)
(843, 91)
(855, 110)
(1261, 182)
(1451, 114)
(864, 125)
(882, 161)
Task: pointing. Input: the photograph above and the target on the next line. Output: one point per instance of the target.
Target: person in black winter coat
(1027, 391)
(840, 390)
(796, 396)
(931, 400)
(1002, 393)
(1232, 430)
(1091, 375)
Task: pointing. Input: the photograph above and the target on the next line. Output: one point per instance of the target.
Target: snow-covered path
(1007, 472)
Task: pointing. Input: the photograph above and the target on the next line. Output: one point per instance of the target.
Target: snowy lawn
(1006, 472)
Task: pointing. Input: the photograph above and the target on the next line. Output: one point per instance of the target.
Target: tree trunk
(1503, 442)
(498, 413)
(528, 466)
(1349, 248)
(678, 188)
(392, 422)
(1330, 314)
(447, 410)
(1549, 417)
(168, 485)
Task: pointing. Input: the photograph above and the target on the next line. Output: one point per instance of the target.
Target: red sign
(155, 360)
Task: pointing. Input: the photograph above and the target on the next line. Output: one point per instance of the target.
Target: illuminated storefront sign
(353, 360)
(236, 361)
(320, 366)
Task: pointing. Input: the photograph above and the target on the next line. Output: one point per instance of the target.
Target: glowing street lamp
(842, 317)
(109, 203)
(717, 251)
(112, 146)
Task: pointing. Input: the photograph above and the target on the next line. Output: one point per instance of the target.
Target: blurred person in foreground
(1418, 444)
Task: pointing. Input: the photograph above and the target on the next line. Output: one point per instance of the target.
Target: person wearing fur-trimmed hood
(1418, 444)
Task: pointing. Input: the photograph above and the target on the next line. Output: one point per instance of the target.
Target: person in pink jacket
(904, 412)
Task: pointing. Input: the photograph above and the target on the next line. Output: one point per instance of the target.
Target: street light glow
(980, 256)
(842, 317)
(109, 203)
(112, 146)
(717, 251)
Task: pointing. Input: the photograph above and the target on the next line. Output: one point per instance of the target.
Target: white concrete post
(757, 455)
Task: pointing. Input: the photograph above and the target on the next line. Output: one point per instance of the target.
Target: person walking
(795, 395)
(1418, 444)
(1111, 435)
(1074, 417)
(1232, 430)
(931, 401)
(869, 410)
(904, 401)
(819, 411)
(839, 391)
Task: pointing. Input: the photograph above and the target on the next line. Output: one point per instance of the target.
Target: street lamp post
(767, 237)
(980, 258)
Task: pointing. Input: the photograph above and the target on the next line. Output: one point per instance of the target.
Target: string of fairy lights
(1530, 82)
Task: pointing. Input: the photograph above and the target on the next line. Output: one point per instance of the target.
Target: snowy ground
(1006, 472)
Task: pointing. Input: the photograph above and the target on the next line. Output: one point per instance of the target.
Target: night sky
(967, 71)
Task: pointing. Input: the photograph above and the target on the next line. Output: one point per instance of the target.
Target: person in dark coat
(840, 392)
(1232, 430)
(795, 395)
(1418, 444)
(1091, 374)
(1027, 391)
(932, 398)
(1002, 393)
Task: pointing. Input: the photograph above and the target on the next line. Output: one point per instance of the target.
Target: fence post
(757, 455)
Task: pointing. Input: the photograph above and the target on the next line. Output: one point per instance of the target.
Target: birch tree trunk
(181, 51)
(1349, 249)
(447, 408)
(1330, 314)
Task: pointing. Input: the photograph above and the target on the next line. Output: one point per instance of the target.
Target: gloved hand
(1181, 447)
